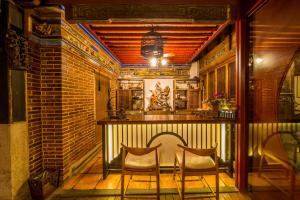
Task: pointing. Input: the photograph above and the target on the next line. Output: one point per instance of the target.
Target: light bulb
(153, 62)
(164, 62)
(259, 60)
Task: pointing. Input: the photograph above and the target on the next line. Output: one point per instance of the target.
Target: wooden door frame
(242, 88)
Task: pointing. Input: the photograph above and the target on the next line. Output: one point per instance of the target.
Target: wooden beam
(157, 29)
(165, 46)
(105, 12)
(166, 40)
(165, 43)
(287, 33)
(152, 24)
(195, 2)
(218, 32)
(140, 37)
(166, 34)
(242, 52)
(166, 50)
(161, 32)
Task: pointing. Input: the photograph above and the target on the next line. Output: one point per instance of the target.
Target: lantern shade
(152, 45)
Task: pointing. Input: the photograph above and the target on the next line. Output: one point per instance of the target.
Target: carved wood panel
(231, 80)
(264, 102)
(221, 80)
(193, 99)
(211, 84)
(123, 98)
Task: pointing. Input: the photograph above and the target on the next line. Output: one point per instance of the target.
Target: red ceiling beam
(178, 31)
(180, 2)
(164, 35)
(157, 29)
(165, 43)
(152, 24)
(216, 34)
(165, 40)
(165, 46)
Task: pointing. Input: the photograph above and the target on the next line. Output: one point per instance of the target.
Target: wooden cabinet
(186, 94)
(130, 95)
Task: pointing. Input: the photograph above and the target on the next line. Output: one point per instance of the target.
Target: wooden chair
(196, 162)
(139, 161)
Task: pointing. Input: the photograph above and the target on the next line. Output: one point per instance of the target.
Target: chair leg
(217, 186)
(174, 170)
(157, 184)
(293, 183)
(122, 186)
(260, 165)
(182, 186)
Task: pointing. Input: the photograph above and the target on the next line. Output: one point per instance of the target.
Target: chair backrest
(169, 143)
(202, 152)
(139, 151)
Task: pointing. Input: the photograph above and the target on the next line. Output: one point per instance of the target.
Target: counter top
(164, 119)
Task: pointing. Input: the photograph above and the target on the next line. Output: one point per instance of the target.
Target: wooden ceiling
(276, 31)
(119, 25)
(180, 38)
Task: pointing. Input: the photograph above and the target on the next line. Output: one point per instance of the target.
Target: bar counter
(179, 118)
(147, 130)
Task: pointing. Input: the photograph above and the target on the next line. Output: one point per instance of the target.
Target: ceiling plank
(179, 42)
(165, 46)
(195, 2)
(150, 25)
(164, 37)
(165, 34)
(165, 40)
(157, 29)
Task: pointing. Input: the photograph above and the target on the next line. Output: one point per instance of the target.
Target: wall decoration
(85, 12)
(159, 99)
(17, 51)
(180, 72)
(44, 29)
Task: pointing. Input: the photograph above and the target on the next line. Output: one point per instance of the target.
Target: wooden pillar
(243, 104)
(4, 104)
(14, 146)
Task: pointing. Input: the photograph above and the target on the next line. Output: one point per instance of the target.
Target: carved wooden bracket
(86, 12)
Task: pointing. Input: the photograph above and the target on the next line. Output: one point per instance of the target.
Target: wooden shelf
(130, 95)
(189, 90)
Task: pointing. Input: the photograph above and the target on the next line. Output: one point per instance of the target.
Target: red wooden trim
(213, 37)
(242, 102)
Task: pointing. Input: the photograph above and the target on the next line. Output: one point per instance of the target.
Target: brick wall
(78, 107)
(34, 109)
(61, 103)
(51, 106)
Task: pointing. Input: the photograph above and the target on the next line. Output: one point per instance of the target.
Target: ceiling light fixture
(152, 45)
